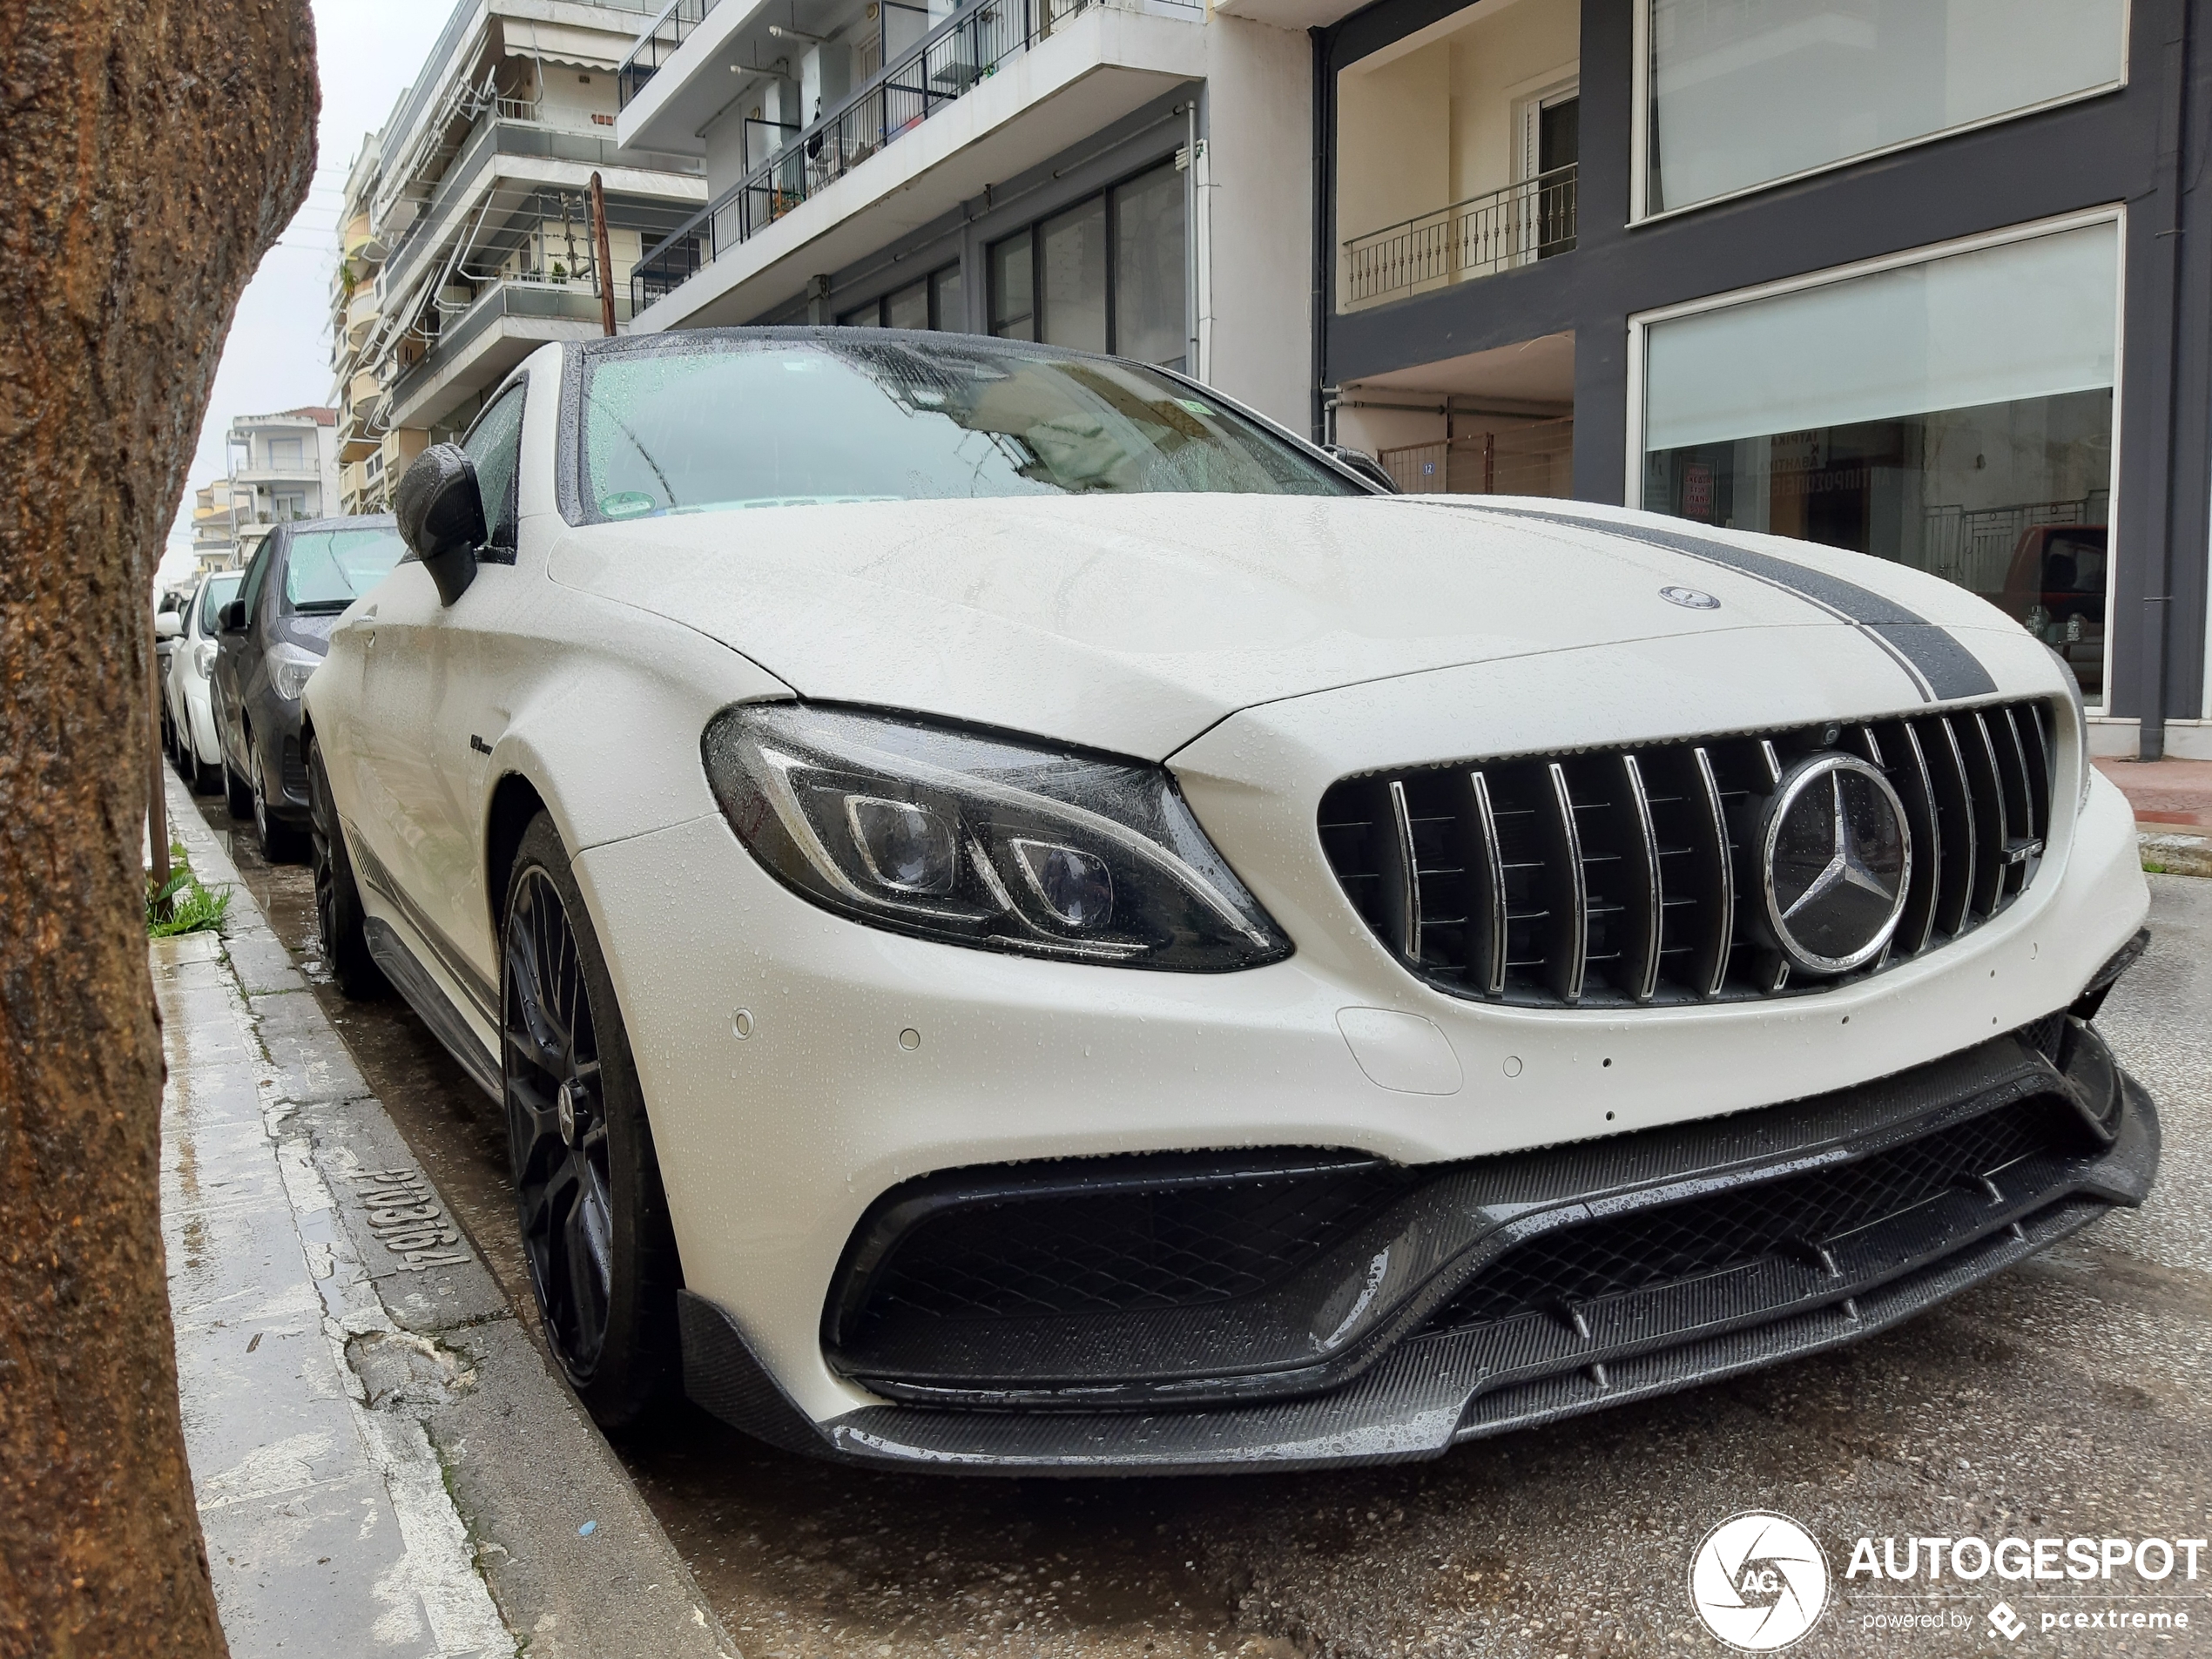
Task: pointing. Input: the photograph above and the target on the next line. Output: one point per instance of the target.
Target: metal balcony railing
(1480, 237)
(960, 53)
(657, 45)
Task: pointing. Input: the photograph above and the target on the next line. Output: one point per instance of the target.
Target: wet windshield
(219, 590)
(329, 569)
(778, 422)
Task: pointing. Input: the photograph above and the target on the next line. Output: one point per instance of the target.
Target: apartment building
(1123, 175)
(214, 528)
(1918, 278)
(1904, 276)
(466, 232)
(282, 467)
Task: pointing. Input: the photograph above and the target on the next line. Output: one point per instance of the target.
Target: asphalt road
(2072, 1396)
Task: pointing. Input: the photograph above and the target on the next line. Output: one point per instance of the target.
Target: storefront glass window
(1953, 414)
(1747, 91)
(1107, 274)
(1149, 274)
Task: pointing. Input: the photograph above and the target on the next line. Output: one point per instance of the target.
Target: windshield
(329, 569)
(220, 591)
(778, 422)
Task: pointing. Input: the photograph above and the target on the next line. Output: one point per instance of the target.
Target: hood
(1134, 623)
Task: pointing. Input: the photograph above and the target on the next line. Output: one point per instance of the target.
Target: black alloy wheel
(278, 841)
(595, 1231)
(338, 900)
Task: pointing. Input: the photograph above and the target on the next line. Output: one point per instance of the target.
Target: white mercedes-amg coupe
(1024, 919)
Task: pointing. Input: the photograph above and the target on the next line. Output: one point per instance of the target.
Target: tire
(236, 795)
(278, 841)
(338, 901)
(594, 1219)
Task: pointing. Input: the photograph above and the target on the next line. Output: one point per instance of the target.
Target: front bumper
(1533, 1286)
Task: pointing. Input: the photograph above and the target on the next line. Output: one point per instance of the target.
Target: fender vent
(1623, 877)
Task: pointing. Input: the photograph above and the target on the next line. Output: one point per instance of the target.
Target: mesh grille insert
(1796, 1216)
(1624, 877)
(1121, 1250)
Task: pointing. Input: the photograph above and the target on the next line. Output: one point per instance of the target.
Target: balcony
(511, 134)
(476, 348)
(361, 312)
(1031, 77)
(657, 45)
(1519, 225)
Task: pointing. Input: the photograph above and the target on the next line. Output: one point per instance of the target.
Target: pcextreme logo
(1759, 1581)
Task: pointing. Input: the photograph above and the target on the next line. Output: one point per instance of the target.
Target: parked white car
(1023, 919)
(192, 719)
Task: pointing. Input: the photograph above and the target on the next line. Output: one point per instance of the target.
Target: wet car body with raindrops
(1104, 942)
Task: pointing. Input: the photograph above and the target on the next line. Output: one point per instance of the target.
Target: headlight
(289, 667)
(203, 658)
(983, 840)
(2080, 722)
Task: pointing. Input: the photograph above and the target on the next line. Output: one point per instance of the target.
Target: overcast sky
(278, 355)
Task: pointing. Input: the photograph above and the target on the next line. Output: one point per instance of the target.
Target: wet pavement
(2070, 1396)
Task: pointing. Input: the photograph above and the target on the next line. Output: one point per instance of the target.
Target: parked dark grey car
(273, 636)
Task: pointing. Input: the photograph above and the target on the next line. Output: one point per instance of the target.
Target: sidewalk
(384, 1462)
(2173, 803)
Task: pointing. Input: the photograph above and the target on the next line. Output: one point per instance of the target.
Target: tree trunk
(153, 149)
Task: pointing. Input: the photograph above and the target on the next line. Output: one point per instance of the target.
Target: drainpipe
(2158, 602)
(1193, 205)
(1323, 250)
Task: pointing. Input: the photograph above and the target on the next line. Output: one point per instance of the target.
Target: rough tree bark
(150, 153)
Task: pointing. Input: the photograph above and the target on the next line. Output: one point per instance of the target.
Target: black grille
(1807, 1216)
(1623, 877)
(1043, 1248)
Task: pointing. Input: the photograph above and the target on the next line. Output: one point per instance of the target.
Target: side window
(495, 443)
(255, 573)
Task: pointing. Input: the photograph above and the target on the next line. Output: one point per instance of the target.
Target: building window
(1107, 274)
(1954, 413)
(1743, 93)
(287, 454)
(935, 302)
(289, 504)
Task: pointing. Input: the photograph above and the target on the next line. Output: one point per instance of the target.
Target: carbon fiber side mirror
(441, 517)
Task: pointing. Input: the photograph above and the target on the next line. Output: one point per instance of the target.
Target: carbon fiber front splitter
(1439, 1386)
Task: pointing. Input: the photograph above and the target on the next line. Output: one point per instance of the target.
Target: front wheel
(338, 901)
(595, 1226)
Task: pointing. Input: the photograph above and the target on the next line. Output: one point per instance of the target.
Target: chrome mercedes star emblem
(1837, 857)
(1690, 598)
(565, 1104)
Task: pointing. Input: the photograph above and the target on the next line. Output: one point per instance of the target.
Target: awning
(561, 42)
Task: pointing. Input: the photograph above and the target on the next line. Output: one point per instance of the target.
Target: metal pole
(599, 254)
(157, 798)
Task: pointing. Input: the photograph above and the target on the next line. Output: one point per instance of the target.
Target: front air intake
(1624, 877)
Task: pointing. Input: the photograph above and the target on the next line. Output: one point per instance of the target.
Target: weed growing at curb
(183, 904)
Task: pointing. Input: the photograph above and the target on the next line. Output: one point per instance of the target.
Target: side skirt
(422, 995)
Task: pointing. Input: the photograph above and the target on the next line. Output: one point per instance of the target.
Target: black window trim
(516, 384)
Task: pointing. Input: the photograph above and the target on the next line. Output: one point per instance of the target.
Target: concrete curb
(2172, 853)
(385, 1461)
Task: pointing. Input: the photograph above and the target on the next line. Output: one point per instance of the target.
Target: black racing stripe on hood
(1934, 657)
